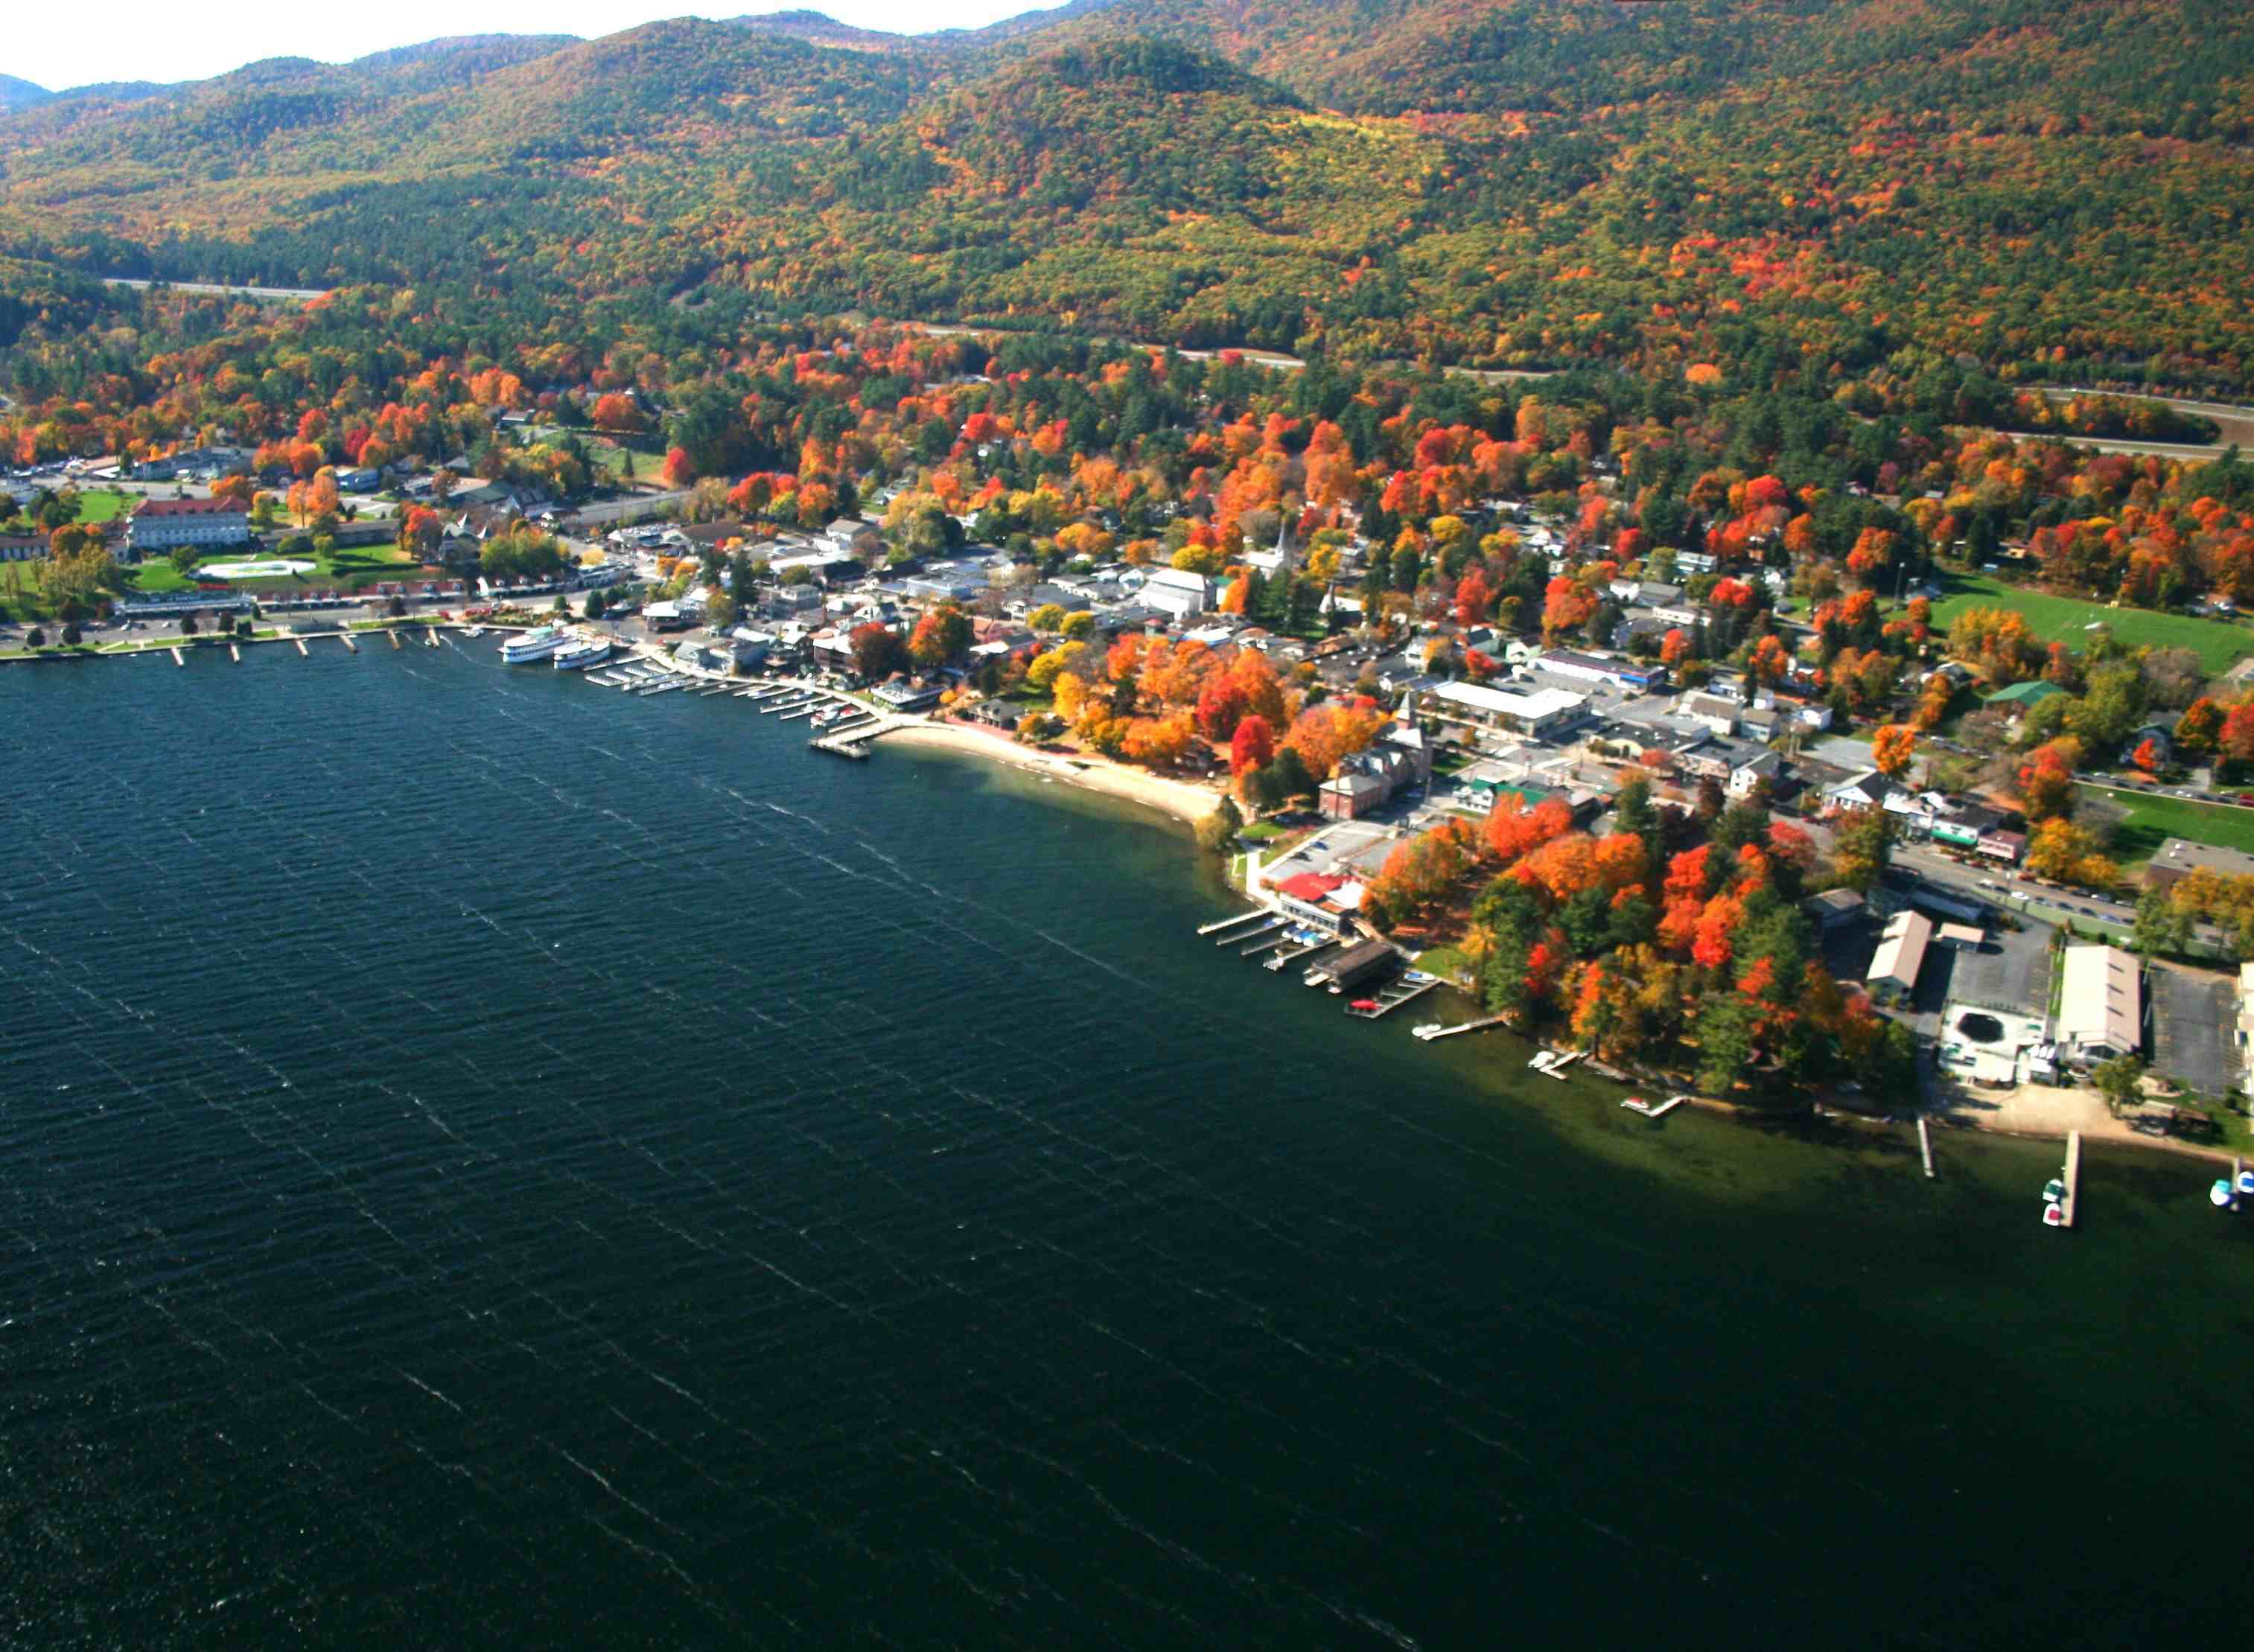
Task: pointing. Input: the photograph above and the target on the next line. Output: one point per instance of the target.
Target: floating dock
(1433, 1030)
(1273, 921)
(302, 648)
(1637, 1104)
(350, 645)
(178, 658)
(1392, 998)
(234, 654)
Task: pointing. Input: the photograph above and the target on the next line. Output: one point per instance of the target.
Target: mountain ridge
(1515, 183)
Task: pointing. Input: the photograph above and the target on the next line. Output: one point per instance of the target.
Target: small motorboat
(2246, 1181)
(2221, 1195)
(2054, 1190)
(2054, 1217)
(1363, 1004)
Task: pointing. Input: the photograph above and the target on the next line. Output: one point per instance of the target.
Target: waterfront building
(160, 526)
(2101, 1008)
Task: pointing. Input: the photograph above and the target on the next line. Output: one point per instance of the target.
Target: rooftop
(2101, 1000)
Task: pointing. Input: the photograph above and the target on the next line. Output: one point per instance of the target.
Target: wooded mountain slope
(2059, 187)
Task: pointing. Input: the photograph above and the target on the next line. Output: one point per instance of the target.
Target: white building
(2100, 1010)
(1177, 592)
(161, 525)
(1543, 712)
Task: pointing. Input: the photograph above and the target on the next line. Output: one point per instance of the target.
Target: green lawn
(1445, 963)
(2217, 642)
(102, 505)
(349, 568)
(2152, 819)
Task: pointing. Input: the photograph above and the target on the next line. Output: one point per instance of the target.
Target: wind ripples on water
(484, 1161)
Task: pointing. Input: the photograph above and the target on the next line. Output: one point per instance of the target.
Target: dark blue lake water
(486, 1161)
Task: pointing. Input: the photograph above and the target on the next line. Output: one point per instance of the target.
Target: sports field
(2219, 643)
(2152, 820)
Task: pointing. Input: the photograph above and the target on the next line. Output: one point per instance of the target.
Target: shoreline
(1184, 801)
(1187, 802)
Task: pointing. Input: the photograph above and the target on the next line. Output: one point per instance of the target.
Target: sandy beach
(1185, 800)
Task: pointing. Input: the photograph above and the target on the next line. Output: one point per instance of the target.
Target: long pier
(1219, 924)
(1925, 1143)
(1434, 1030)
(2072, 1178)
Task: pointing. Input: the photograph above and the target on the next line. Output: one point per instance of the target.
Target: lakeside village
(1680, 874)
(1709, 818)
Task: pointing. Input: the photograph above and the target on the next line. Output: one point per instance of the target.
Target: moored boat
(534, 645)
(579, 657)
(2221, 1195)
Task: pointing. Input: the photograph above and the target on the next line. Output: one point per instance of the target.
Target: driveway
(2194, 1021)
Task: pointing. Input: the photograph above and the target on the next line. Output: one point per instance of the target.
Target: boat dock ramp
(1391, 997)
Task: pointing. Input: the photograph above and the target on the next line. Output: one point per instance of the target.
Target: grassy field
(101, 505)
(2152, 819)
(346, 569)
(2217, 642)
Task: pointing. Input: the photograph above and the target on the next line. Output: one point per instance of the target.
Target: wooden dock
(2072, 1177)
(838, 746)
(178, 658)
(234, 654)
(1392, 999)
(1219, 924)
(1637, 1104)
(1925, 1143)
(1272, 920)
(395, 642)
(302, 648)
(350, 645)
(1433, 1031)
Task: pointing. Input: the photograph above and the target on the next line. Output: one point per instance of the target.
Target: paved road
(635, 506)
(299, 294)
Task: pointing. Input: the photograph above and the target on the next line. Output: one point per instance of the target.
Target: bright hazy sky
(60, 46)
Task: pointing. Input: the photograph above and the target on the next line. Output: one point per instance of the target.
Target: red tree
(1253, 746)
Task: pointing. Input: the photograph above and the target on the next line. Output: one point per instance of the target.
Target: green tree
(2163, 929)
(2119, 1082)
(1218, 830)
(35, 638)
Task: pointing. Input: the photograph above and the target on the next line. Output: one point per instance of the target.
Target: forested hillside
(2049, 188)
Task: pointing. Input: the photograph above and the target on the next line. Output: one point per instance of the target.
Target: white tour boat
(534, 645)
(579, 657)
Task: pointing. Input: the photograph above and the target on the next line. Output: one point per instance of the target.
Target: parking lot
(2194, 1013)
(2011, 972)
